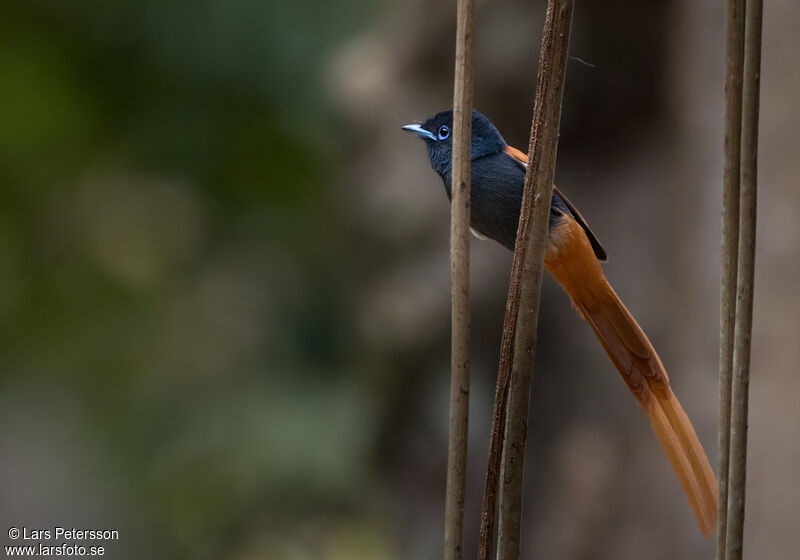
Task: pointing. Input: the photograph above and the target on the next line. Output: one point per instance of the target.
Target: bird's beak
(419, 131)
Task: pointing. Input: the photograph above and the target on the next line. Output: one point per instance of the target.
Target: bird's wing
(598, 249)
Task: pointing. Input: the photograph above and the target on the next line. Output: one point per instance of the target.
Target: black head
(437, 132)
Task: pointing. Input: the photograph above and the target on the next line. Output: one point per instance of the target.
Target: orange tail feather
(571, 261)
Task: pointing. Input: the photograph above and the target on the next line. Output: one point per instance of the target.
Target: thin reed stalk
(744, 281)
(734, 65)
(459, 279)
(518, 346)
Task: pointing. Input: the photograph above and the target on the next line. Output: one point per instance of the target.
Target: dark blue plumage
(497, 179)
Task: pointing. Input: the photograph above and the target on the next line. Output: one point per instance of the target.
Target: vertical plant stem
(497, 434)
(459, 279)
(529, 252)
(734, 57)
(744, 282)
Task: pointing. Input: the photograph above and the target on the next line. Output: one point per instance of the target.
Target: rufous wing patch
(598, 249)
(516, 154)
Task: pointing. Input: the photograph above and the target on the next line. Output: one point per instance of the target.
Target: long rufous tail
(571, 261)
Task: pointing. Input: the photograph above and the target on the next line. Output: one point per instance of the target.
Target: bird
(573, 258)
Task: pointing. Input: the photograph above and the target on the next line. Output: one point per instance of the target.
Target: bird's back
(496, 198)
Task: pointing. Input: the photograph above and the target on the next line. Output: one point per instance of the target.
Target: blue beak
(419, 131)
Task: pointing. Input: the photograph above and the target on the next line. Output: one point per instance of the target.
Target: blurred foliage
(172, 265)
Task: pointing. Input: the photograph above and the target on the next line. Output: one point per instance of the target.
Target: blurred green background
(177, 356)
(223, 275)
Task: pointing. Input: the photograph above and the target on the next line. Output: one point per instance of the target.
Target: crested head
(437, 131)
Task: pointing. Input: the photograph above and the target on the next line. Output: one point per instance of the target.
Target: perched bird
(573, 257)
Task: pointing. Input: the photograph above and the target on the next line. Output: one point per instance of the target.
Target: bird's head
(437, 132)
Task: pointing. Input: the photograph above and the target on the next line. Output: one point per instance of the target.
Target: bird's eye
(443, 133)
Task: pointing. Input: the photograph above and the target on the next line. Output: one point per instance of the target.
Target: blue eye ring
(443, 132)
